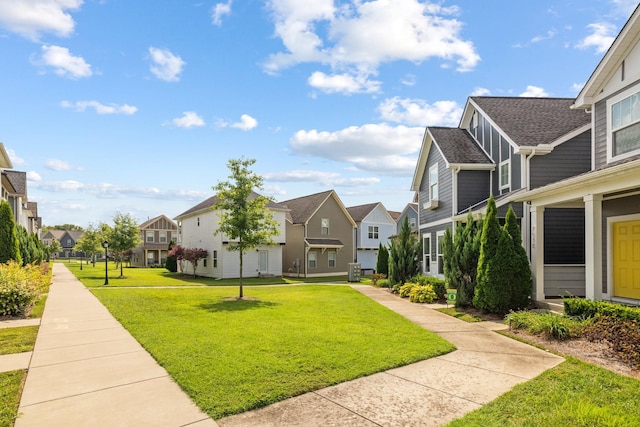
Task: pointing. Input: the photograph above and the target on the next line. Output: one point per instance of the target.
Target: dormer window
(624, 125)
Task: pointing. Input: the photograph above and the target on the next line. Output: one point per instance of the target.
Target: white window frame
(149, 236)
(412, 222)
(426, 253)
(433, 172)
(331, 259)
(611, 129)
(439, 252)
(162, 237)
(312, 259)
(324, 226)
(504, 163)
(374, 232)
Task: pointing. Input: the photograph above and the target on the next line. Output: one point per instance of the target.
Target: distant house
(14, 190)
(603, 248)
(197, 226)
(319, 238)
(410, 212)
(374, 226)
(67, 239)
(155, 235)
(503, 147)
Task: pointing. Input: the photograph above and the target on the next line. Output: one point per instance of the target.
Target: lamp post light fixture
(105, 245)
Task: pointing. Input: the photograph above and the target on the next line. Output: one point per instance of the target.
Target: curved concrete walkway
(87, 370)
(428, 393)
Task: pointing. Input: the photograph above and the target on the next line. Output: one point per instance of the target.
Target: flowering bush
(422, 293)
(20, 287)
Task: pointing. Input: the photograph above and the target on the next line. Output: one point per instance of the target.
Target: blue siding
(444, 189)
(473, 187)
(566, 160)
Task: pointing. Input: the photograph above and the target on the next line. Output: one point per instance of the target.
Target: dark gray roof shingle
(301, 209)
(358, 213)
(458, 146)
(18, 180)
(211, 201)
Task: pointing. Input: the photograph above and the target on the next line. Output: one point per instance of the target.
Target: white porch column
(593, 245)
(537, 251)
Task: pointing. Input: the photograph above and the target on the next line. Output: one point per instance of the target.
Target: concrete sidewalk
(428, 393)
(87, 370)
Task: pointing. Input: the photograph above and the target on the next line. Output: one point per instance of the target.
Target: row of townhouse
(13, 189)
(570, 168)
(318, 236)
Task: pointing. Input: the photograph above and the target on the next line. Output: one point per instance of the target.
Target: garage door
(626, 259)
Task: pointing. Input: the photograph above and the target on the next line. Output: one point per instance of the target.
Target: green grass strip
(17, 340)
(233, 356)
(453, 311)
(10, 386)
(573, 393)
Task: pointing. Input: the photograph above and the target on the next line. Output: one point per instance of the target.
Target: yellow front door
(626, 259)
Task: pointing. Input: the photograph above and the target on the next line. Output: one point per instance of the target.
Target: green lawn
(10, 386)
(231, 356)
(93, 277)
(18, 340)
(571, 394)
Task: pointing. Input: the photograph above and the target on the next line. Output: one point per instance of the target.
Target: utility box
(354, 272)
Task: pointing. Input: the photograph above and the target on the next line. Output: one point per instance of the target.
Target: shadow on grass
(235, 304)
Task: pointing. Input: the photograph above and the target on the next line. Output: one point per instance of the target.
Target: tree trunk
(241, 254)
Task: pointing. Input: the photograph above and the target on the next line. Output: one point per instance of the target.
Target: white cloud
(31, 18)
(417, 112)
(220, 10)
(409, 80)
(165, 65)
(480, 91)
(64, 63)
(377, 148)
(246, 123)
(189, 119)
(59, 165)
(100, 108)
(343, 83)
(577, 87)
(324, 178)
(550, 34)
(15, 160)
(603, 34)
(33, 176)
(534, 91)
(358, 36)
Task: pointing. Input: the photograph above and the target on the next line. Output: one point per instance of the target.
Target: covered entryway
(626, 259)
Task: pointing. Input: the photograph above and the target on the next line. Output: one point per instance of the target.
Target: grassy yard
(573, 393)
(18, 340)
(10, 386)
(93, 277)
(231, 356)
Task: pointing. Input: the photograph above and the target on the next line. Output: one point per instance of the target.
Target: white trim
(437, 184)
(508, 184)
(439, 222)
(614, 100)
(426, 236)
(439, 254)
(610, 221)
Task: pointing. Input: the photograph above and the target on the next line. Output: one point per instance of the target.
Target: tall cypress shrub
(449, 259)
(9, 246)
(382, 262)
(403, 255)
(487, 270)
(522, 284)
(468, 251)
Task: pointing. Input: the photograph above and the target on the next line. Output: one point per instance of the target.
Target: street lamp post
(105, 245)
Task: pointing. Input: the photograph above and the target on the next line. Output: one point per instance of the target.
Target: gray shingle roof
(301, 209)
(211, 201)
(533, 121)
(458, 146)
(358, 213)
(18, 180)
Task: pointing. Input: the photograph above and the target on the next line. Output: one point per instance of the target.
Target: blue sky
(136, 106)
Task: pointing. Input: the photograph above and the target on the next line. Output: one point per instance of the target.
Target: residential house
(410, 212)
(155, 235)
(5, 163)
(319, 238)
(503, 146)
(607, 196)
(374, 226)
(197, 227)
(67, 239)
(15, 192)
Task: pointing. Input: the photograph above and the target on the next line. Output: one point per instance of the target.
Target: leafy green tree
(244, 216)
(404, 254)
(522, 279)
(90, 243)
(125, 235)
(382, 261)
(54, 248)
(487, 273)
(9, 244)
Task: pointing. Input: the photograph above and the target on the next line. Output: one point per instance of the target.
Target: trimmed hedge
(581, 307)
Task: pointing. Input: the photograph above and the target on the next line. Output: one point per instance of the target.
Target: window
(174, 237)
(373, 231)
(313, 259)
(426, 254)
(198, 221)
(624, 124)
(433, 182)
(332, 258)
(149, 237)
(204, 262)
(163, 237)
(505, 176)
(215, 259)
(68, 242)
(412, 222)
(324, 226)
(440, 246)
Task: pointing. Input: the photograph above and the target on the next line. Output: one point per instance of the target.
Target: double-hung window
(332, 258)
(426, 253)
(313, 259)
(433, 182)
(624, 125)
(150, 238)
(505, 174)
(324, 226)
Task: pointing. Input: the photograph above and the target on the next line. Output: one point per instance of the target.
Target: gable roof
(358, 213)
(208, 204)
(528, 122)
(395, 215)
(148, 222)
(18, 181)
(458, 146)
(303, 208)
(410, 206)
(619, 49)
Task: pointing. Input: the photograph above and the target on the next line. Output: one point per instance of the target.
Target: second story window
(625, 124)
(433, 182)
(324, 226)
(149, 238)
(505, 176)
(373, 231)
(163, 237)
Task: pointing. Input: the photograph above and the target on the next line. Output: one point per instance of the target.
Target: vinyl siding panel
(516, 171)
(566, 160)
(564, 280)
(339, 228)
(473, 187)
(600, 136)
(445, 202)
